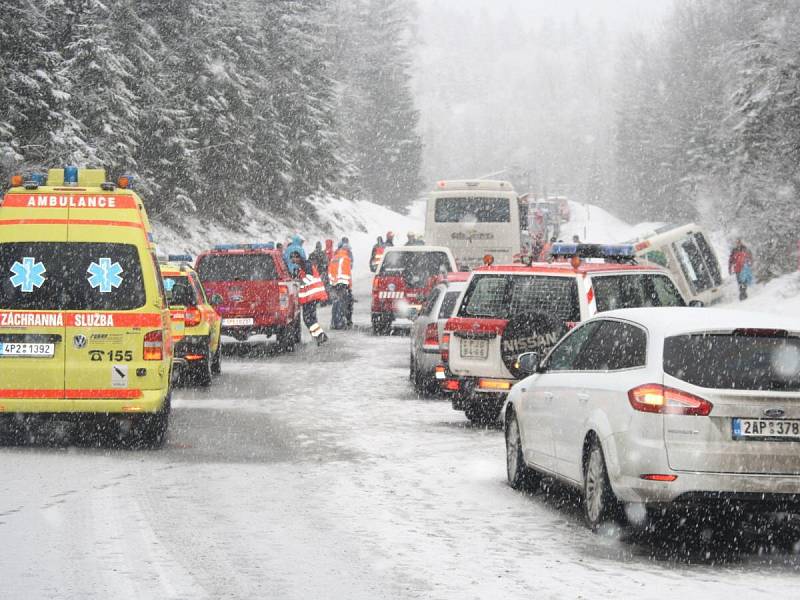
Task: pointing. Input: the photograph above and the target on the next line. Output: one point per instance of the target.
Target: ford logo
(391, 287)
(774, 413)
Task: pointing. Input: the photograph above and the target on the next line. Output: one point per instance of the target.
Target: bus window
(475, 209)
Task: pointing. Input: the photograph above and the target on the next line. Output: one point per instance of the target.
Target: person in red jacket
(740, 263)
(312, 291)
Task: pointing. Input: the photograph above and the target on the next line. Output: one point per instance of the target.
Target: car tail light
(658, 477)
(153, 345)
(431, 342)
(283, 289)
(440, 372)
(451, 385)
(192, 317)
(656, 398)
(494, 384)
(444, 347)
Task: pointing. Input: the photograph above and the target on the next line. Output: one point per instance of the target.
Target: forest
(209, 104)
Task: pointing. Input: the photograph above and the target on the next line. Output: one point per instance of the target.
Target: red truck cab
(252, 291)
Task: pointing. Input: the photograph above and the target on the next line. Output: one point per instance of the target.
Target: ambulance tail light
(284, 295)
(431, 341)
(153, 345)
(444, 347)
(124, 182)
(192, 317)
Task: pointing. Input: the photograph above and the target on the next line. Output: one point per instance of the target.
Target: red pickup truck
(252, 291)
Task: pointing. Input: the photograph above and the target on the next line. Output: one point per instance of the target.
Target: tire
(201, 372)
(520, 476)
(422, 385)
(216, 361)
(286, 338)
(381, 325)
(297, 332)
(153, 428)
(600, 505)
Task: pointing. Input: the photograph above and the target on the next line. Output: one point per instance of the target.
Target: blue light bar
(71, 175)
(38, 178)
(609, 251)
(186, 258)
(265, 246)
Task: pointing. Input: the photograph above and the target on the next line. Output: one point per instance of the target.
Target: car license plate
(27, 349)
(766, 429)
(237, 321)
(474, 348)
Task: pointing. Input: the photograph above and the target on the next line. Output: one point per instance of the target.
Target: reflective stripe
(315, 330)
(312, 289)
(71, 394)
(390, 294)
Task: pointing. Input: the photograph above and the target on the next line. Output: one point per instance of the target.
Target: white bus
(473, 219)
(688, 255)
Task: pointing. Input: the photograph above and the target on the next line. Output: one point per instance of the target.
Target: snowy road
(319, 474)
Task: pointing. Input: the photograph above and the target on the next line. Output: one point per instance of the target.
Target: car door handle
(583, 397)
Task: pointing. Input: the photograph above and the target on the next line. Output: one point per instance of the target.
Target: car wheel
(216, 363)
(422, 385)
(381, 325)
(520, 476)
(286, 337)
(599, 503)
(201, 371)
(153, 428)
(297, 331)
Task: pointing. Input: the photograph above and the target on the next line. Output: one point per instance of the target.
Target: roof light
(575, 261)
(16, 180)
(124, 181)
(179, 258)
(488, 259)
(107, 186)
(70, 175)
(609, 252)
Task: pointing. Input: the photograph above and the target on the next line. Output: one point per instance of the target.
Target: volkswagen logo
(79, 341)
(774, 413)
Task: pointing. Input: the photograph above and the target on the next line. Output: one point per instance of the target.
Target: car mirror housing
(528, 363)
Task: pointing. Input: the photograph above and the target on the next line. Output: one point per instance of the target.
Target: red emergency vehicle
(405, 278)
(253, 292)
(507, 310)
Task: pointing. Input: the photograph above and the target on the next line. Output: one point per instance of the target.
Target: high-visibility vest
(311, 287)
(340, 269)
(376, 259)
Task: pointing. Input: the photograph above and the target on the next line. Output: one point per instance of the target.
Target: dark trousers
(342, 313)
(310, 319)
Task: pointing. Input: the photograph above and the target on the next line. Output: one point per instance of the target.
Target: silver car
(641, 408)
(427, 329)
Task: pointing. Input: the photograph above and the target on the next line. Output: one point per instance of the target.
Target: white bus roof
(444, 249)
(495, 185)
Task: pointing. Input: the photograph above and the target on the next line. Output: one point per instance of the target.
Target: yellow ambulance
(84, 321)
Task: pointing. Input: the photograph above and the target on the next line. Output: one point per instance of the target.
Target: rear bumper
(629, 458)
(471, 393)
(191, 346)
(137, 401)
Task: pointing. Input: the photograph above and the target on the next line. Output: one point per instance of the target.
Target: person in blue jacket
(296, 245)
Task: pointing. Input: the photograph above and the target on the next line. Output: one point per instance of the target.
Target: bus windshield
(473, 210)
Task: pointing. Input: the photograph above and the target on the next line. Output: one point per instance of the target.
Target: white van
(688, 255)
(473, 219)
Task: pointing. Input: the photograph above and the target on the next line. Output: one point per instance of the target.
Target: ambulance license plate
(27, 349)
(766, 429)
(237, 321)
(474, 348)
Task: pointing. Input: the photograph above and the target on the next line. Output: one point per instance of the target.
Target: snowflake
(104, 275)
(28, 274)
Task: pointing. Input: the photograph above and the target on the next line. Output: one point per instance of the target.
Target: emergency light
(265, 246)
(609, 252)
(186, 258)
(70, 175)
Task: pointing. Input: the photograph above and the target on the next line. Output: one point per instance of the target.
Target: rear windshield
(734, 362)
(473, 210)
(237, 267)
(503, 296)
(180, 291)
(635, 290)
(416, 268)
(70, 276)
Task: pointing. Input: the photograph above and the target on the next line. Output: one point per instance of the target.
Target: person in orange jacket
(312, 291)
(340, 275)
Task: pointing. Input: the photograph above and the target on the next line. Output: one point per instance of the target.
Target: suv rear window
(180, 291)
(502, 296)
(635, 290)
(415, 267)
(734, 362)
(237, 267)
(70, 276)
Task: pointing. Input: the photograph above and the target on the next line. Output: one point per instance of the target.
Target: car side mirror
(697, 303)
(215, 300)
(528, 363)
